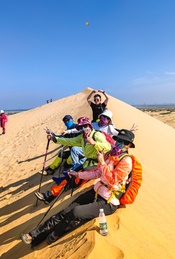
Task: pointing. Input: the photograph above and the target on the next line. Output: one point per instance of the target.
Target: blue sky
(47, 51)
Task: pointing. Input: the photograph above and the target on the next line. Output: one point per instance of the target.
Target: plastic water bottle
(103, 223)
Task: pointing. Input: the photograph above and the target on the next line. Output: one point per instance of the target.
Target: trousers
(81, 210)
(77, 155)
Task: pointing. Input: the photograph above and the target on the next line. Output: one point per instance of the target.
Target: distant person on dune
(3, 120)
(97, 106)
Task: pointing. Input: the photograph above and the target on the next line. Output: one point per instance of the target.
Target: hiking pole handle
(47, 147)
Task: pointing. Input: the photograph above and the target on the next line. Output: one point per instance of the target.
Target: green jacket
(88, 149)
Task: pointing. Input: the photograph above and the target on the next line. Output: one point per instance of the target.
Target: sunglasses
(83, 126)
(126, 142)
(96, 99)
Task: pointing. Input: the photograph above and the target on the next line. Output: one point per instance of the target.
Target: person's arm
(76, 141)
(86, 175)
(113, 130)
(69, 131)
(90, 95)
(100, 143)
(107, 98)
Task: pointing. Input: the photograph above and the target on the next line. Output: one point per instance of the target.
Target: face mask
(103, 121)
(117, 150)
(69, 124)
(86, 132)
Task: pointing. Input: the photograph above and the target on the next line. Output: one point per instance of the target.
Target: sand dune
(145, 229)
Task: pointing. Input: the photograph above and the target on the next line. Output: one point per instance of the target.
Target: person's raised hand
(73, 173)
(90, 140)
(100, 157)
(49, 133)
(101, 91)
(134, 127)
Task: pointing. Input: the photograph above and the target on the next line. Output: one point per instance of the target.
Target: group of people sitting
(90, 151)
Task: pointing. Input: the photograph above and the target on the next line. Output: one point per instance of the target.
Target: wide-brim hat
(83, 121)
(1, 111)
(106, 113)
(125, 135)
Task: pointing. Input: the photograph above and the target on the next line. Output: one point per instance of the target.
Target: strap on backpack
(114, 193)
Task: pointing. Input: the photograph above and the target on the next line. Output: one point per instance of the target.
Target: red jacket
(3, 119)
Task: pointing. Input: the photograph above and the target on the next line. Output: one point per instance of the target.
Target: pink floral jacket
(113, 174)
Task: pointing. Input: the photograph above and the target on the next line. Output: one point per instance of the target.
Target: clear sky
(47, 51)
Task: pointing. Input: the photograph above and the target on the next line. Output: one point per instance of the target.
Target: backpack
(107, 136)
(134, 181)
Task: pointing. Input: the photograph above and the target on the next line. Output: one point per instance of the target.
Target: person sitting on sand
(96, 106)
(112, 173)
(104, 124)
(69, 123)
(84, 140)
(89, 146)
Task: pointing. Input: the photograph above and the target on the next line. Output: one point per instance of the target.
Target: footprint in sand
(79, 242)
(8, 196)
(116, 221)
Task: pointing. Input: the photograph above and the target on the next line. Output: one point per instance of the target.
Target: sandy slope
(166, 116)
(145, 229)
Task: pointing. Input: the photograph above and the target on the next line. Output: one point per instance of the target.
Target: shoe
(40, 197)
(51, 238)
(49, 171)
(26, 238)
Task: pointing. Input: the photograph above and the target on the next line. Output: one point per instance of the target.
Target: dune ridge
(141, 230)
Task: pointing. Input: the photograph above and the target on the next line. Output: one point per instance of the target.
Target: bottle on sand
(103, 223)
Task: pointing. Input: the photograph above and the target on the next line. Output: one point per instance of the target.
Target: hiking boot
(49, 171)
(26, 238)
(41, 197)
(51, 238)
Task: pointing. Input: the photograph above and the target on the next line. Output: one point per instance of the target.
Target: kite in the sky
(87, 24)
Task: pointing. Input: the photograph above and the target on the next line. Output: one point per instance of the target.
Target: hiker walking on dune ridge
(96, 106)
(3, 120)
(106, 193)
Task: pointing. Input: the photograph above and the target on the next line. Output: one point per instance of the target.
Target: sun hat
(125, 135)
(83, 121)
(2, 111)
(106, 113)
(67, 117)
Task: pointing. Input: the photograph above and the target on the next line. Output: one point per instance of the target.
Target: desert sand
(165, 116)
(144, 229)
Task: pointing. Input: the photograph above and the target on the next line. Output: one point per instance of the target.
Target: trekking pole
(51, 205)
(72, 190)
(44, 163)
